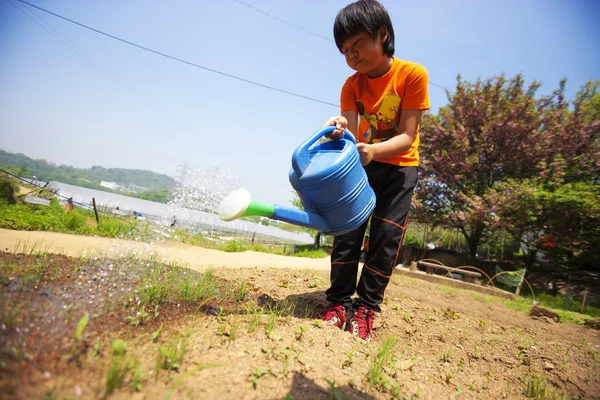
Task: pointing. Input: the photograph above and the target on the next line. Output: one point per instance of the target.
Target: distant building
(110, 185)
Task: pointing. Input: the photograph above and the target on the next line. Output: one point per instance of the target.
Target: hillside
(86, 177)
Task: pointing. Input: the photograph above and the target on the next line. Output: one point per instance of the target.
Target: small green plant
(256, 376)
(119, 347)
(171, 355)
(300, 333)
(81, 326)
(96, 348)
(447, 356)
(235, 246)
(334, 394)
(136, 379)
(376, 375)
(308, 312)
(255, 318)
(241, 291)
(156, 334)
(121, 371)
(118, 370)
(139, 318)
(537, 388)
(449, 314)
(271, 323)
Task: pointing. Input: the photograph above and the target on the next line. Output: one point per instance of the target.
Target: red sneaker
(361, 323)
(334, 314)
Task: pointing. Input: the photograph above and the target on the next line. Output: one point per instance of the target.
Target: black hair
(363, 16)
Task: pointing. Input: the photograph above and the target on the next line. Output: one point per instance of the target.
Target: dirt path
(193, 257)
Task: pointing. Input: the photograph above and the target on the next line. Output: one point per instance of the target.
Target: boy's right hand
(340, 123)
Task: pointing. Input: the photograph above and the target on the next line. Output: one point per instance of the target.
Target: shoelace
(364, 317)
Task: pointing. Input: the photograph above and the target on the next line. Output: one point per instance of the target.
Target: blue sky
(114, 105)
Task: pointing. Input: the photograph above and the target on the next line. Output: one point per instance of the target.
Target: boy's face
(364, 53)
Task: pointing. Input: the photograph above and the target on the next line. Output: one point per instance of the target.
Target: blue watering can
(330, 181)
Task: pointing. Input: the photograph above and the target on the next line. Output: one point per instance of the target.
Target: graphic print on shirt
(384, 123)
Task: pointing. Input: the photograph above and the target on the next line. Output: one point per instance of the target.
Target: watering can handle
(301, 160)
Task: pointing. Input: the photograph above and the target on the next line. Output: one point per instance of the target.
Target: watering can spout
(239, 203)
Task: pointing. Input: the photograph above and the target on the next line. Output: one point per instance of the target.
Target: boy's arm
(352, 118)
(407, 128)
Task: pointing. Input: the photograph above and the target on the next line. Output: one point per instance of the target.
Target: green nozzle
(259, 208)
(240, 204)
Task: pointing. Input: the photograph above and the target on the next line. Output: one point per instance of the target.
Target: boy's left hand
(366, 153)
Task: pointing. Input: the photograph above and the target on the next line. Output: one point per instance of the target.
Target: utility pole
(183, 171)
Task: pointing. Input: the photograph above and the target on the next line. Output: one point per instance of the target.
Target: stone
(404, 365)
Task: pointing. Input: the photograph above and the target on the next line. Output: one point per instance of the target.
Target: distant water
(166, 212)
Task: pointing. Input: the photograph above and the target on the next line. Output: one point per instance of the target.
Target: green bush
(110, 227)
(412, 240)
(235, 246)
(7, 190)
(75, 222)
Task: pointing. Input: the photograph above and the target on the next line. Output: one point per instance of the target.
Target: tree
(497, 158)
(486, 135)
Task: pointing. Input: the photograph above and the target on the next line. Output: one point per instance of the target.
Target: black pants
(393, 187)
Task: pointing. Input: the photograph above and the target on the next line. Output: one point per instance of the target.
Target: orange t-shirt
(380, 101)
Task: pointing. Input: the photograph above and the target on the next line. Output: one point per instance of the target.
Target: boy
(389, 95)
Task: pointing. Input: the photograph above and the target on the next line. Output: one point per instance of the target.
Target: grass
(170, 356)
(538, 389)
(54, 218)
(122, 370)
(376, 376)
(524, 304)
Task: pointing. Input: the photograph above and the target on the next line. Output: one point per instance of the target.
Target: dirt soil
(430, 341)
(194, 257)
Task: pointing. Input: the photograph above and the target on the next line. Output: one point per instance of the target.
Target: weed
(300, 333)
(241, 291)
(334, 394)
(120, 371)
(318, 323)
(119, 347)
(156, 334)
(308, 312)
(376, 375)
(136, 380)
(139, 318)
(171, 355)
(537, 388)
(449, 314)
(255, 318)
(447, 356)
(96, 349)
(256, 376)
(271, 323)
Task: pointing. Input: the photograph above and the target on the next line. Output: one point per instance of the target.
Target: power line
(88, 58)
(258, 10)
(180, 59)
